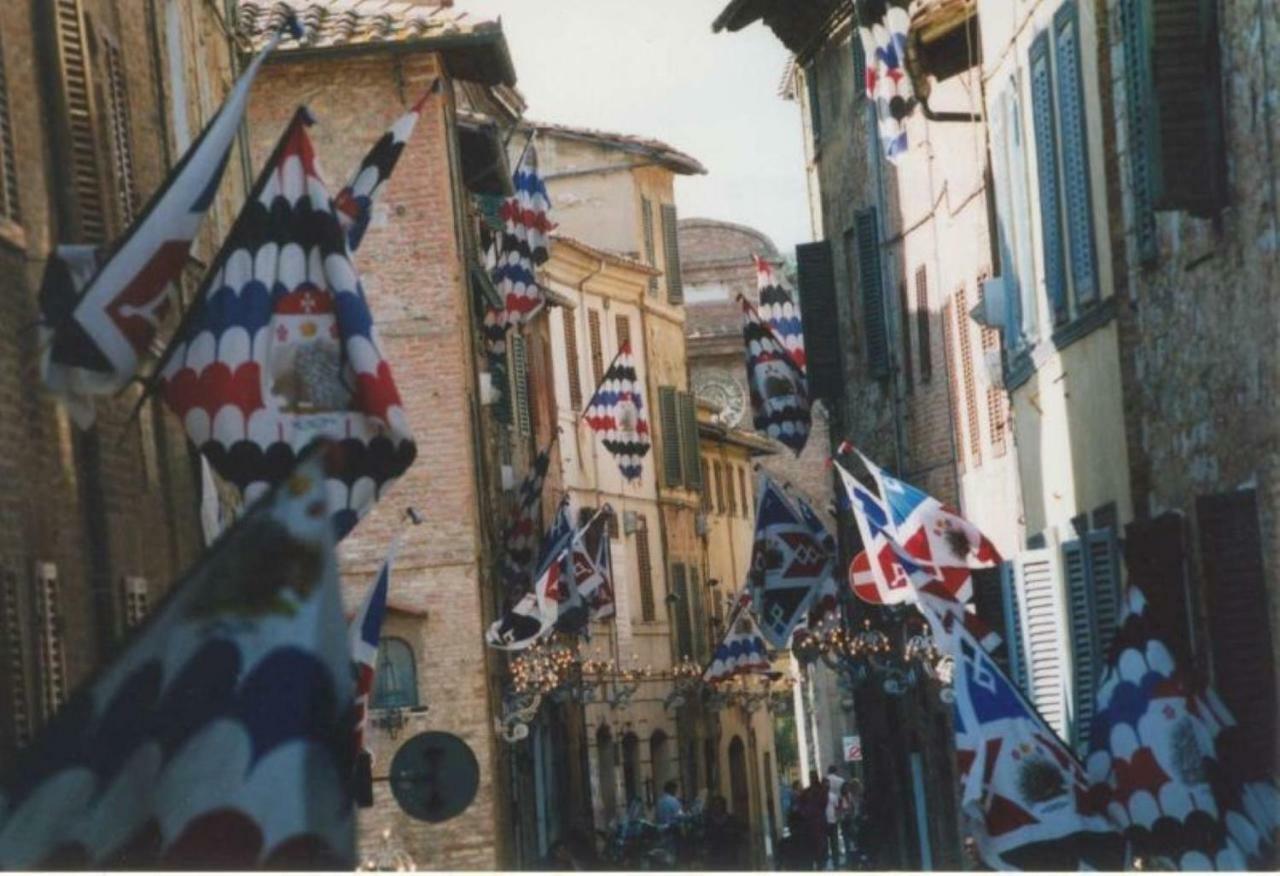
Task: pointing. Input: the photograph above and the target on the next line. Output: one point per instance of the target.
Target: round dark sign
(434, 776)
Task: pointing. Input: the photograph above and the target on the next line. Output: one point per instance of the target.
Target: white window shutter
(1083, 640)
(1043, 620)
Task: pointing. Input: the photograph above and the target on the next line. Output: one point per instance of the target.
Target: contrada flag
(99, 317)
(891, 585)
(788, 565)
(520, 537)
(779, 391)
(883, 29)
(778, 308)
(1161, 755)
(742, 650)
(364, 633)
(537, 612)
(617, 413)
(279, 347)
(1025, 796)
(220, 736)
(826, 600)
(593, 565)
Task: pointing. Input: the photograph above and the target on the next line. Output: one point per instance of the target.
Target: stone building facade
(416, 264)
(96, 104)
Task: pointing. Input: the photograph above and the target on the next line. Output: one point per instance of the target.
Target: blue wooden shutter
(1055, 274)
(1075, 156)
(1104, 582)
(1021, 212)
(1083, 638)
(1140, 123)
(867, 230)
(821, 319)
(1013, 624)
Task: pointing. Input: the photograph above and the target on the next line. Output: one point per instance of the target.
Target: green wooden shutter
(679, 586)
(671, 254)
(1083, 639)
(1043, 621)
(820, 318)
(1047, 176)
(1187, 81)
(1139, 120)
(870, 277)
(1075, 155)
(670, 425)
(650, 252)
(689, 458)
(698, 616)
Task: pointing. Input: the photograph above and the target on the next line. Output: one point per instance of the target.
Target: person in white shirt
(835, 786)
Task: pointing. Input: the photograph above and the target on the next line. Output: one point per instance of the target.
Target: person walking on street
(813, 818)
(835, 801)
(725, 837)
(668, 807)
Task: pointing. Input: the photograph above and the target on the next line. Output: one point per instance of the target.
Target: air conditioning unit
(990, 310)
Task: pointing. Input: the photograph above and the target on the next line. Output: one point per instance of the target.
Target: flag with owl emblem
(219, 737)
(1169, 759)
(617, 412)
(779, 391)
(279, 348)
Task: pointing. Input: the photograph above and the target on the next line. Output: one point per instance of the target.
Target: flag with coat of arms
(789, 564)
(220, 736)
(279, 347)
(1163, 756)
(618, 414)
(778, 388)
(100, 315)
(593, 565)
(551, 599)
(743, 649)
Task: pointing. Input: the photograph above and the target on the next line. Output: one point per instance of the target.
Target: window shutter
(1047, 175)
(520, 383)
(569, 319)
(650, 254)
(1083, 639)
(17, 691)
(1104, 584)
(1012, 611)
(904, 329)
(81, 150)
(705, 498)
(923, 340)
(671, 255)
(746, 493)
(1021, 299)
(53, 658)
(1187, 82)
(136, 600)
(689, 458)
(718, 468)
(1239, 628)
(1155, 553)
(951, 356)
(1042, 620)
(997, 404)
(859, 64)
(121, 134)
(8, 161)
(597, 348)
(815, 109)
(679, 586)
(1140, 123)
(622, 328)
(645, 568)
(1075, 154)
(963, 331)
(667, 411)
(820, 319)
(867, 225)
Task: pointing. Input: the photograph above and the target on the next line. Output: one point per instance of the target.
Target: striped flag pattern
(520, 536)
(778, 308)
(98, 318)
(743, 649)
(779, 391)
(883, 29)
(364, 634)
(617, 413)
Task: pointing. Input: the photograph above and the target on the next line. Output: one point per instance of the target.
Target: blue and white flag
(826, 601)
(552, 599)
(220, 737)
(593, 565)
(743, 649)
(99, 317)
(364, 634)
(778, 388)
(618, 414)
(789, 564)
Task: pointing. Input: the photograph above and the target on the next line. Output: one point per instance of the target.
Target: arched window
(395, 686)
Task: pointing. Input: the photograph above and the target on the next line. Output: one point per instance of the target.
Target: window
(949, 353)
(597, 349)
(923, 340)
(1013, 226)
(78, 117)
(997, 403)
(645, 566)
(867, 231)
(820, 318)
(18, 694)
(1174, 112)
(1066, 216)
(689, 450)
(53, 657)
(697, 611)
(746, 493)
(684, 631)
(520, 382)
(1090, 568)
(395, 686)
(1155, 554)
(706, 493)
(669, 418)
(859, 64)
(719, 470)
(8, 161)
(622, 329)
(136, 601)
(965, 350)
(671, 255)
(568, 319)
(121, 134)
(904, 328)
(815, 108)
(730, 495)
(650, 253)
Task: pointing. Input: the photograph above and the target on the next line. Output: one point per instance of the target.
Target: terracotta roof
(606, 255)
(350, 24)
(654, 150)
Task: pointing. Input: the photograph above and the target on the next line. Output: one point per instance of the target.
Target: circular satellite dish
(434, 776)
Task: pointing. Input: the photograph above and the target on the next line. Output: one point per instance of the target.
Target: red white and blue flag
(100, 315)
(778, 308)
(743, 649)
(1161, 752)
(593, 565)
(520, 537)
(880, 579)
(354, 203)
(617, 413)
(219, 737)
(883, 26)
(826, 600)
(789, 564)
(777, 385)
(1025, 796)
(364, 633)
(279, 348)
(552, 599)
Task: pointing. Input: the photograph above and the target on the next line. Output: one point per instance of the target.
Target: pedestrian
(835, 800)
(724, 837)
(852, 793)
(813, 821)
(668, 807)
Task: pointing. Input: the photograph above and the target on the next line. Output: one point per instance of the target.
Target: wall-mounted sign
(852, 748)
(434, 776)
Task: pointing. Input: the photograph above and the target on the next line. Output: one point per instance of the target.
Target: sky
(655, 69)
